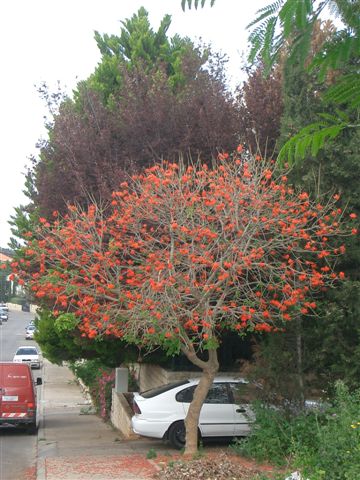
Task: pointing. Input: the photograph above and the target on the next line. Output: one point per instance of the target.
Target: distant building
(4, 258)
(5, 254)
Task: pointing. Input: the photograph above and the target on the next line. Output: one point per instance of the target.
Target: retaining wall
(16, 307)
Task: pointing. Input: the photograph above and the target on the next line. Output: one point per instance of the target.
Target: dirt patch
(211, 466)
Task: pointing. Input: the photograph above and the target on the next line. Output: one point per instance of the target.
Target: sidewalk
(74, 444)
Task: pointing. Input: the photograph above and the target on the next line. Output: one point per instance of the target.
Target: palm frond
(345, 91)
(293, 16)
(301, 44)
(347, 11)
(287, 15)
(196, 3)
(269, 40)
(312, 138)
(336, 53)
(268, 10)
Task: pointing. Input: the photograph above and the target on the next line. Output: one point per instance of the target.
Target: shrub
(275, 433)
(336, 454)
(100, 381)
(321, 444)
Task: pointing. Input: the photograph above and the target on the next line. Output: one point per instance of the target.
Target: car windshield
(31, 327)
(27, 351)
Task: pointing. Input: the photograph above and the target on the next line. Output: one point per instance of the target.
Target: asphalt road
(18, 449)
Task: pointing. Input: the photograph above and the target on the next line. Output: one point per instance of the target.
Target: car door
(217, 413)
(242, 395)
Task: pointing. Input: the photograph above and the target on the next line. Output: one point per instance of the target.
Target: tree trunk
(299, 363)
(209, 370)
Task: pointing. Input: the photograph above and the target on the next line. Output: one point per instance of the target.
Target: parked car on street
(226, 412)
(4, 315)
(25, 307)
(18, 400)
(3, 306)
(29, 332)
(30, 355)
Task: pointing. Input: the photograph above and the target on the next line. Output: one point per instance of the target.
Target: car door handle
(240, 410)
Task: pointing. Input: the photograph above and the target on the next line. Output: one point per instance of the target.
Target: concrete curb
(40, 461)
(40, 469)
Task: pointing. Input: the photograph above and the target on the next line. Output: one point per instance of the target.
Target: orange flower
(239, 149)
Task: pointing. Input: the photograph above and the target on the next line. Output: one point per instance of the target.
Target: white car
(29, 332)
(226, 412)
(30, 355)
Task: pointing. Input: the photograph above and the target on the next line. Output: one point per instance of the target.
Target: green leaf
(310, 140)
(196, 4)
(287, 15)
(265, 12)
(346, 90)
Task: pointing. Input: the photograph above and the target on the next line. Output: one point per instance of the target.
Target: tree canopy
(289, 24)
(184, 254)
(149, 98)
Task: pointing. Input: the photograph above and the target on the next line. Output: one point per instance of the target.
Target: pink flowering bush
(106, 383)
(100, 380)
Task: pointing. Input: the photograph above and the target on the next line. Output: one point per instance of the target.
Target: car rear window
(153, 392)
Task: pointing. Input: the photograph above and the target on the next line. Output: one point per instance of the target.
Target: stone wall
(121, 414)
(150, 376)
(16, 307)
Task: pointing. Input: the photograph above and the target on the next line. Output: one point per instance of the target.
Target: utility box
(121, 380)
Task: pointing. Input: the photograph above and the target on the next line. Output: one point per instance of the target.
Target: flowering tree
(185, 253)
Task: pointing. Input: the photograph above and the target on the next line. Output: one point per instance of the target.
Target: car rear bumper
(16, 421)
(156, 429)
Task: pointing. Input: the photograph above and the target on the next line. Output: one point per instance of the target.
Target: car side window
(244, 393)
(218, 393)
(186, 395)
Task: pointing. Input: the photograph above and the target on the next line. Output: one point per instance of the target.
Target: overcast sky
(48, 40)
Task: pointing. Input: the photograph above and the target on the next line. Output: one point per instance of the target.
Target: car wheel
(177, 435)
